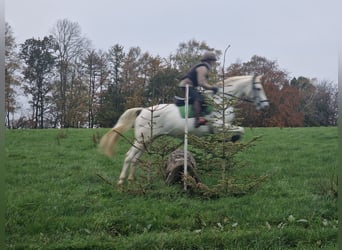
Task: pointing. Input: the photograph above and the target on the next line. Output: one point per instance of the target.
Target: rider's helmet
(209, 56)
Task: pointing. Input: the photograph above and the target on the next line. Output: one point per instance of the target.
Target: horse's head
(258, 94)
(245, 88)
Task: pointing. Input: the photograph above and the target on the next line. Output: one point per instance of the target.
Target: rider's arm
(202, 77)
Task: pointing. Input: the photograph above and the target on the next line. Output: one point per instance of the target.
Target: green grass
(55, 200)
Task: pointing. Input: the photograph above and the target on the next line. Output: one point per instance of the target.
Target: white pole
(186, 133)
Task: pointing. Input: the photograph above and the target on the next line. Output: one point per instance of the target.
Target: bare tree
(11, 79)
(96, 74)
(70, 45)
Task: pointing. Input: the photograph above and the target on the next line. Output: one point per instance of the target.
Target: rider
(196, 77)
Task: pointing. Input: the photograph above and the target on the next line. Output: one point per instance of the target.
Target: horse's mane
(234, 80)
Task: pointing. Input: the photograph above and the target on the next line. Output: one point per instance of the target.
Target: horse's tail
(125, 122)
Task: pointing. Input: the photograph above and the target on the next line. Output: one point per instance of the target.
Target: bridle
(255, 91)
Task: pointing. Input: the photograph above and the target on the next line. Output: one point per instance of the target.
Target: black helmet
(209, 56)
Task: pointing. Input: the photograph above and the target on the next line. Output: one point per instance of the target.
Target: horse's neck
(237, 89)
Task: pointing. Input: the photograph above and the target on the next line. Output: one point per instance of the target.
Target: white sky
(302, 35)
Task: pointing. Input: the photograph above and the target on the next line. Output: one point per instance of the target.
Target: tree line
(71, 84)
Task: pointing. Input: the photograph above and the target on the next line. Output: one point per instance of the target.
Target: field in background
(56, 200)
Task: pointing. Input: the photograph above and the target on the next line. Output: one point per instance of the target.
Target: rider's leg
(194, 95)
(197, 105)
(197, 110)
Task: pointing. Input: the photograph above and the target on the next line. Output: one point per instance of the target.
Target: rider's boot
(198, 120)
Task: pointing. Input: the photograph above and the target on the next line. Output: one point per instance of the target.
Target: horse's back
(158, 120)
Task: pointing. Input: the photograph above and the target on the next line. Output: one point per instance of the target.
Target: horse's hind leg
(131, 157)
(133, 166)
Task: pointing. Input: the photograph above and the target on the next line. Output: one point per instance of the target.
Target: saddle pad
(191, 113)
(206, 110)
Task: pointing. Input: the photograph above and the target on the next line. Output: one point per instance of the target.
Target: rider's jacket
(197, 76)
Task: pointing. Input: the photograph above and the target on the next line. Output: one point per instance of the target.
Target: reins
(239, 98)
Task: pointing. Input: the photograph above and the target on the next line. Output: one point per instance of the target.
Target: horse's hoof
(120, 182)
(130, 181)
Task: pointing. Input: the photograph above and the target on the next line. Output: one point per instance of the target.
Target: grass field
(56, 200)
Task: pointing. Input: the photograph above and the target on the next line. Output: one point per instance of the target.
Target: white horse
(166, 119)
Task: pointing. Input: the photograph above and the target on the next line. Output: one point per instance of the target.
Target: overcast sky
(303, 36)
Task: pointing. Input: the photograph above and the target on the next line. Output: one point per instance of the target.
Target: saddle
(180, 101)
